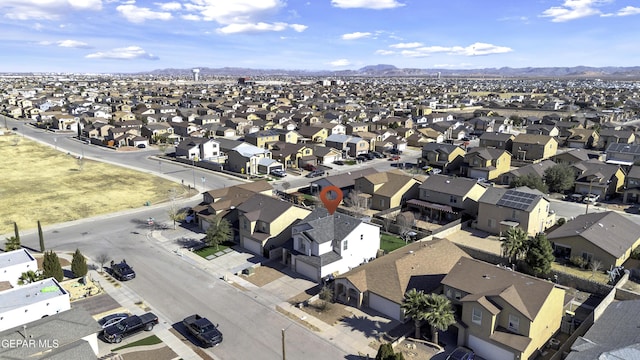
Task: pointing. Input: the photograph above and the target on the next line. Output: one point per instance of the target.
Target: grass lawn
(388, 243)
(210, 250)
(151, 340)
(40, 183)
(598, 276)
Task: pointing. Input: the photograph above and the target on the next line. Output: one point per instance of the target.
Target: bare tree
(175, 214)
(387, 220)
(103, 258)
(595, 266)
(357, 201)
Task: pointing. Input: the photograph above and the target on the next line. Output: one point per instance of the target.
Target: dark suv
(315, 173)
(122, 271)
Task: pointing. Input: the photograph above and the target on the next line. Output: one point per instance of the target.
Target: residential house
(199, 149)
(251, 160)
(504, 315)
(343, 181)
(537, 170)
(582, 138)
(292, 155)
(355, 146)
(529, 147)
(448, 197)
(380, 284)
(332, 128)
(265, 224)
(14, 263)
(222, 202)
(356, 127)
(70, 334)
(262, 138)
(632, 186)
(387, 189)
(156, 132)
(614, 334)
(326, 155)
(623, 154)
(326, 244)
(596, 177)
(485, 163)
(497, 140)
(543, 129)
(339, 142)
(612, 136)
(573, 156)
(500, 209)
(446, 157)
(605, 236)
(315, 134)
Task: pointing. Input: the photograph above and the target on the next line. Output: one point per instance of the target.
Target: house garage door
(252, 246)
(389, 308)
(487, 350)
(306, 270)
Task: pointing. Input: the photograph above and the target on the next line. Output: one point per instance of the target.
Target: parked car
(129, 326)
(362, 157)
(377, 154)
(203, 329)
(590, 198)
(112, 319)
(122, 271)
(394, 158)
(191, 217)
(309, 167)
(315, 173)
(142, 146)
(395, 151)
(461, 353)
(370, 156)
(339, 162)
(278, 172)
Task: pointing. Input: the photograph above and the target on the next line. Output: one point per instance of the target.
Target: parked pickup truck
(207, 333)
(129, 326)
(122, 271)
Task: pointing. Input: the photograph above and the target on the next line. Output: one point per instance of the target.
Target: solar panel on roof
(516, 199)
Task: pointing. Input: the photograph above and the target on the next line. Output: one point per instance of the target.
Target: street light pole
(193, 163)
(284, 356)
(586, 211)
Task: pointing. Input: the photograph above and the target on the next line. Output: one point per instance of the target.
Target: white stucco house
(323, 244)
(14, 263)
(26, 303)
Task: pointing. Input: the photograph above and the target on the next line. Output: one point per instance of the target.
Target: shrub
(561, 221)
(635, 254)
(578, 261)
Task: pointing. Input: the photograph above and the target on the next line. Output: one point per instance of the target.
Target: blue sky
(102, 36)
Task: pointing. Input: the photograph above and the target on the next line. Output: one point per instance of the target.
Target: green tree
(559, 178)
(539, 255)
(218, 232)
(414, 306)
(15, 230)
(41, 237)
(385, 352)
(532, 181)
(439, 314)
(29, 277)
(79, 264)
(51, 266)
(12, 243)
(514, 244)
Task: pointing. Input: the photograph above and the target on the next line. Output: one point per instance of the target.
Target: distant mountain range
(382, 70)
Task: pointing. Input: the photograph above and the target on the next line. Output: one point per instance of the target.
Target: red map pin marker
(331, 197)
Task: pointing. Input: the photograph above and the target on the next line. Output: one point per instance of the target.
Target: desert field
(40, 183)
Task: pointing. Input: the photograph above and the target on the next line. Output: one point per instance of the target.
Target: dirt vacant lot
(40, 183)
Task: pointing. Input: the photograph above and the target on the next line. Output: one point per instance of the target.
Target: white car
(590, 198)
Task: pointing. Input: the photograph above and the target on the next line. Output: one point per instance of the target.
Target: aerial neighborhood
(508, 200)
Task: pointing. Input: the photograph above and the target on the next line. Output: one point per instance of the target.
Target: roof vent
(448, 181)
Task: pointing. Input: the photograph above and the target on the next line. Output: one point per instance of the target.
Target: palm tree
(514, 244)
(414, 306)
(29, 277)
(439, 314)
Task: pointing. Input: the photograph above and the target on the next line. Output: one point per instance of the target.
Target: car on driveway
(339, 162)
(590, 198)
(461, 353)
(394, 158)
(112, 319)
(278, 172)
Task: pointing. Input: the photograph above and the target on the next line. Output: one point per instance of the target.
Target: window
(458, 295)
(449, 293)
(303, 246)
(453, 199)
(476, 316)
(491, 223)
(587, 256)
(345, 245)
(514, 323)
(514, 214)
(381, 202)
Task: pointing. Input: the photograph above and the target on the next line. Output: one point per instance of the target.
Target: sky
(123, 36)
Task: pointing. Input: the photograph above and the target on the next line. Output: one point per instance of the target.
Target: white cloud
(340, 63)
(73, 44)
(169, 6)
(126, 53)
(476, 49)
(259, 27)
(38, 26)
(628, 10)
(406, 45)
(191, 17)
(45, 10)
(234, 11)
(453, 66)
(385, 52)
(355, 35)
(45, 43)
(573, 9)
(138, 15)
(366, 4)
